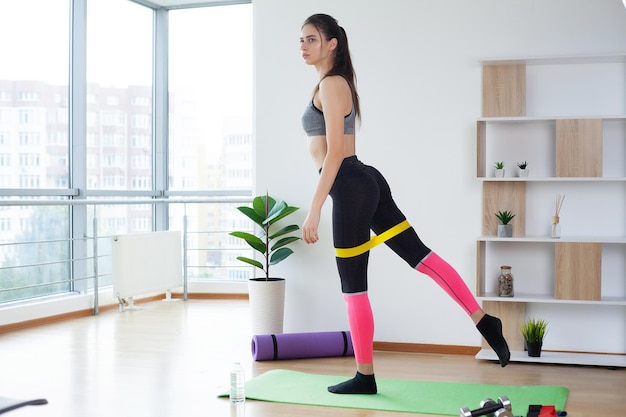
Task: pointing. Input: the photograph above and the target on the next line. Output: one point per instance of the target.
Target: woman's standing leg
(354, 201)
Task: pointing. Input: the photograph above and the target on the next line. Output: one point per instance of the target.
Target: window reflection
(34, 93)
(119, 95)
(210, 129)
(210, 82)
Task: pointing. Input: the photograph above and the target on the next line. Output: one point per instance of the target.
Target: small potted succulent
(522, 170)
(499, 169)
(534, 330)
(505, 229)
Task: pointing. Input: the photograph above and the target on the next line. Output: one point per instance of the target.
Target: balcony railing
(77, 259)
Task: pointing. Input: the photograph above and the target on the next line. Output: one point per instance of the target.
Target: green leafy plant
(505, 216)
(499, 165)
(272, 245)
(522, 165)
(534, 330)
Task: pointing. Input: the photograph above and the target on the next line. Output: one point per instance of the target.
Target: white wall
(419, 78)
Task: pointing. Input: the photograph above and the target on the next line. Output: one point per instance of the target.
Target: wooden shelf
(549, 119)
(558, 60)
(528, 114)
(544, 299)
(554, 179)
(547, 239)
(563, 147)
(566, 358)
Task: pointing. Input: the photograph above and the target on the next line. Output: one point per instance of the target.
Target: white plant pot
(499, 173)
(267, 305)
(522, 173)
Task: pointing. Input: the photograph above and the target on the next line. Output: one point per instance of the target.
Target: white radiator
(146, 263)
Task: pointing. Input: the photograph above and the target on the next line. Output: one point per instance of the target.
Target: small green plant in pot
(272, 245)
(499, 169)
(267, 294)
(534, 330)
(505, 229)
(522, 170)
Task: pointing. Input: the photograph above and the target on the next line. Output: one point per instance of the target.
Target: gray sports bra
(314, 124)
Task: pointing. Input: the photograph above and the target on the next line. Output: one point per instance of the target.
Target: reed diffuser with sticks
(556, 226)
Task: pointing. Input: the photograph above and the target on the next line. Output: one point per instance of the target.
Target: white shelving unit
(568, 358)
(566, 116)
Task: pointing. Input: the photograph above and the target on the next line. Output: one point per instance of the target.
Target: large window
(210, 129)
(210, 83)
(119, 91)
(78, 125)
(34, 74)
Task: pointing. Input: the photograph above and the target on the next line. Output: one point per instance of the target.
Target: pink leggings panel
(447, 278)
(361, 322)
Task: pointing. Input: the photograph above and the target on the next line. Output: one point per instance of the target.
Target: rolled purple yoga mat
(267, 347)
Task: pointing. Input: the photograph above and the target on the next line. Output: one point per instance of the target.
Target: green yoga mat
(445, 398)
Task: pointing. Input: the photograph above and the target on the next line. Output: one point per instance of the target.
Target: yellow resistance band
(374, 241)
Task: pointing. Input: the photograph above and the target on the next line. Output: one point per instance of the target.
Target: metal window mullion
(160, 114)
(77, 138)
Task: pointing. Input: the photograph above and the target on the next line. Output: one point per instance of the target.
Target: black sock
(491, 329)
(360, 384)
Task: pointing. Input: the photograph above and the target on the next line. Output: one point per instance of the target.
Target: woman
(362, 201)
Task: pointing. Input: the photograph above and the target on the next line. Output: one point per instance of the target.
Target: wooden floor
(173, 358)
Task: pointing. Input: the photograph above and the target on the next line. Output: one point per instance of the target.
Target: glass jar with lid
(505, 282)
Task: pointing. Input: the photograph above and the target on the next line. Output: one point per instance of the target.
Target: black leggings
(362, 201)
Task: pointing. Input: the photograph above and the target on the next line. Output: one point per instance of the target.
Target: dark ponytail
(342, 64)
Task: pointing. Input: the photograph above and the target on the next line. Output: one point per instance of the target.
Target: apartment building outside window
(43, 158)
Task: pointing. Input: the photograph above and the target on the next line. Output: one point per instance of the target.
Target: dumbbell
(502, 408)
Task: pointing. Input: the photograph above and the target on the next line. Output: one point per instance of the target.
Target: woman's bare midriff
(318, 147)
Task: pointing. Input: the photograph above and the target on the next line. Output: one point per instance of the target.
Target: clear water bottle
(237, 384)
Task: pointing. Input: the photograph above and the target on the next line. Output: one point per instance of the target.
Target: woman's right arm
(334, 99)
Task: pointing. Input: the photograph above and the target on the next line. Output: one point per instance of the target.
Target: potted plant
(505, 229)
(499, 169)
(267, 293)
(522, 169)
(534, 331)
